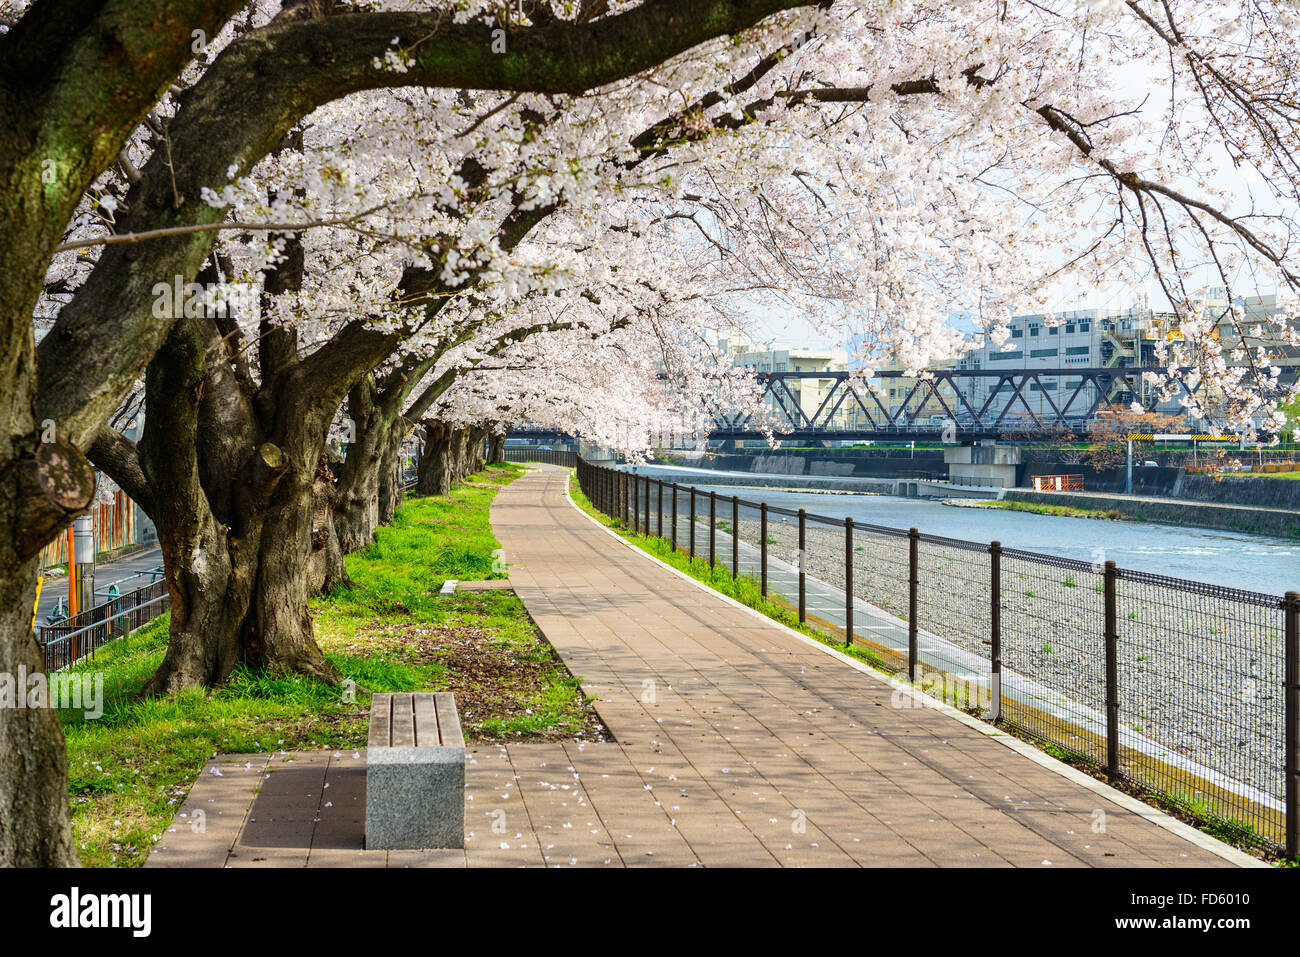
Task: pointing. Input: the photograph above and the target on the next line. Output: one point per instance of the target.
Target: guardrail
(1188, 689)
(1058, 483)
(81, 635)
(544, 456)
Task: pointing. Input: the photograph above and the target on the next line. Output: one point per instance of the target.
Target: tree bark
(209, 563)
(436, 459)
(236, 529)
(390, 473)
(35, 828)
(497, 447)
(326, 571)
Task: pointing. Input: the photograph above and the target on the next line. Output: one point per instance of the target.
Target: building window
(1002, 356)
(1033, 330)
(1041, 353)
(1017, 333)
(1069, 327)
(1078, 350)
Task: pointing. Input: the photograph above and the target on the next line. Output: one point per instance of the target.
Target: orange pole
(72, 575)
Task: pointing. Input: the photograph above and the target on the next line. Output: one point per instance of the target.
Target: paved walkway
(736, 744)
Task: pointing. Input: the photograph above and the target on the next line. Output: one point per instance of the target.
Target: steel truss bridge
(955, 404)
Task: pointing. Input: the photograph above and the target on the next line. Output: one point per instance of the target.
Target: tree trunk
(235, 530)
(497, 447)
(209, 564)
(35, 825)
(356, 513)
(390, 473)
(326, 571)
(279, 635)
(437, 463)
(474, 449)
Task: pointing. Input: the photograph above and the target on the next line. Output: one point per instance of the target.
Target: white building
(808, 392)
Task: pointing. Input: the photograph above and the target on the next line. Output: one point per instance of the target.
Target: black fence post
(713, 526)
(1291, 714)
(913, 589)
(995, 628)
(635, 481)
(803, 597)
(659, 507)
(762, 544)
(674, 517)
(690, 529)
(647, 505)
(848, 581)
(1109, 577)
(735, 537)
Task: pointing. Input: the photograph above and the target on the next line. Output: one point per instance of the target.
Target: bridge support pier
(984, 464)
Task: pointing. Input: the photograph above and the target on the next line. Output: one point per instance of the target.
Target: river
(1235, 559)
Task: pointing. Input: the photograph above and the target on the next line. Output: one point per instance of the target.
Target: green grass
(1061, 511)
(1278, 475)
(129, 770)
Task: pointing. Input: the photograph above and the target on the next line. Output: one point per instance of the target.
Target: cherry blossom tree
(406, 188)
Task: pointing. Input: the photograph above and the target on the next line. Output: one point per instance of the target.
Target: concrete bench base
(415, 773)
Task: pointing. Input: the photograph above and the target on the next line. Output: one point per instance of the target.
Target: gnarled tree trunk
(390, 473)
(497, 447)
(326, 571)
(437, 459)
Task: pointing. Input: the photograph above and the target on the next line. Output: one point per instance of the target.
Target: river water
(1235, 559)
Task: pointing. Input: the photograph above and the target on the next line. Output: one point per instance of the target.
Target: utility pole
(1128, 472)
(83, 538)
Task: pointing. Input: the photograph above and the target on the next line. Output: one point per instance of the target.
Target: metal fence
(77, 637)
(1186, 688)
(563, 457)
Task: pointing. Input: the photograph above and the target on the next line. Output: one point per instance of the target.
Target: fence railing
(1058, 483)
(1186, 688)
(77, 637)
(562, 457)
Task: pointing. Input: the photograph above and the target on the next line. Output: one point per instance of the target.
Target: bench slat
(449, 720)
(426, 721)
(403, 728)
(381, 712)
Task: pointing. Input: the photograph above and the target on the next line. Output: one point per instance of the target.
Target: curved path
(737, 743)
(753, 746)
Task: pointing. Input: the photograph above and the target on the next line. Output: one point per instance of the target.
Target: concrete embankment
(1280, 522)
(901, 487)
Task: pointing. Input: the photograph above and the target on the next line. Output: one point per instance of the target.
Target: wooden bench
(415, 773)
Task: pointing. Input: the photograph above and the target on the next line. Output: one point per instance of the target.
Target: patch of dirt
(492, 679)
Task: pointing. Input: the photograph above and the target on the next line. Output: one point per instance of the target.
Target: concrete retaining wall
(1281, 523)
(1263, 492)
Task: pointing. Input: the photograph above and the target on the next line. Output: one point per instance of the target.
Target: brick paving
(736, 744)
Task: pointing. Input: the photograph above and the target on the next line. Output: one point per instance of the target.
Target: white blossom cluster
(897, 162)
